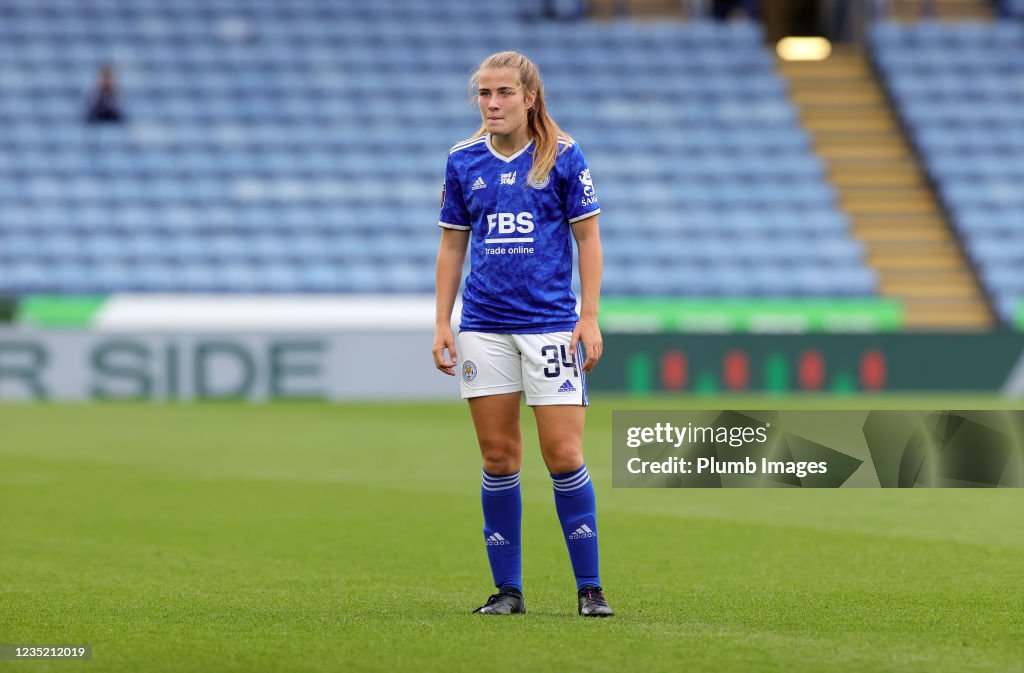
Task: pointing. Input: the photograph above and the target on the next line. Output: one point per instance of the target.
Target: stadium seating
(299, 146)
(957, 87)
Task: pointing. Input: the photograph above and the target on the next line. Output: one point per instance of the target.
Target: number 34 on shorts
(541, 365)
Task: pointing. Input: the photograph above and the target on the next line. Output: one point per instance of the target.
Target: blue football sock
(503, 522)
(577, 512)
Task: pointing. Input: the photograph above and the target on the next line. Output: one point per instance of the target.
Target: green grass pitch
(315, 537)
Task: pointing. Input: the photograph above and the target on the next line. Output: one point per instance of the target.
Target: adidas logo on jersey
(495, 539)
(479, 184)
(567, 387)
(583, 531)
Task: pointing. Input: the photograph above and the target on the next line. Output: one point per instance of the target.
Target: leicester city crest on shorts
(468, 371)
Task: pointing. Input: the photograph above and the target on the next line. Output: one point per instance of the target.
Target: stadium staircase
(880, 185)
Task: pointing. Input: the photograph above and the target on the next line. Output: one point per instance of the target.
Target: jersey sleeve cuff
(584, 216)
(449, 225)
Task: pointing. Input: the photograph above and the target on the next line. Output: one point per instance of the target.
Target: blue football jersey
(520, 279)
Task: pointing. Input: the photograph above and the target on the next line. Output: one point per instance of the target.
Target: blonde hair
(542, 128)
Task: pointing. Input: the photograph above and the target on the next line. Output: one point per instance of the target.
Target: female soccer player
(515, 191)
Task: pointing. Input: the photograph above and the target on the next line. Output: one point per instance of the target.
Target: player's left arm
(588, 240)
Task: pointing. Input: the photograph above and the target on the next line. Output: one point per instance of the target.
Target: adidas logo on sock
(496, 539)
(582, 532)
(567, 387)
(479, 184)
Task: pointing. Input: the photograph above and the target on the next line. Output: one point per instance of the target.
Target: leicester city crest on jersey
(468, 371)
(541, 184)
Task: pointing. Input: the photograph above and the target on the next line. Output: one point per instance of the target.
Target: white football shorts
(539, 364)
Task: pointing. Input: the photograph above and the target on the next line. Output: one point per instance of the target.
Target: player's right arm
(450, 256)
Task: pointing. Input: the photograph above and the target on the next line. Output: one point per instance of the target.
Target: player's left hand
(589, 334)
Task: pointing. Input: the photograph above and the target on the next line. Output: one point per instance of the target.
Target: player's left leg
(556, 389)
(560, 430)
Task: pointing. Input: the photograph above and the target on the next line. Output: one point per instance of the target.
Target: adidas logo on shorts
(583, 531)
(496, 539)
(567, 387)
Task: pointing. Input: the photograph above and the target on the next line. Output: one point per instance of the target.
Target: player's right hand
(444, 339)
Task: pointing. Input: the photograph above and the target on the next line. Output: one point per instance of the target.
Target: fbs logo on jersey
(510, 223)
(589, 194)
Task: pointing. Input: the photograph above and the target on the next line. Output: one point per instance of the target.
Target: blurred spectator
(1009, 9)
(723, 10)
(105, 106)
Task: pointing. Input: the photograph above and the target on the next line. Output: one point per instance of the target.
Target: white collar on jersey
(502, 156)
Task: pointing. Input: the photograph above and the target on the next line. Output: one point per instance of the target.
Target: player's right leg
(492, 384)
(496, 418)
